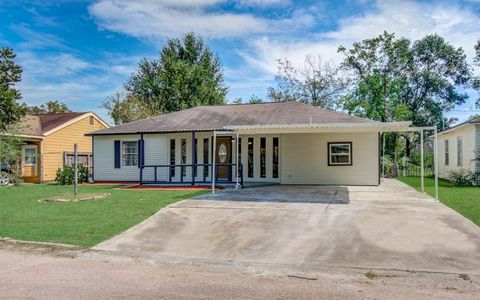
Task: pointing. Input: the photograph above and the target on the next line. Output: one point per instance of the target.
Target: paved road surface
(27, 275)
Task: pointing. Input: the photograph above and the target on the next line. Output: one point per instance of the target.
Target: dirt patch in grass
(80, 197)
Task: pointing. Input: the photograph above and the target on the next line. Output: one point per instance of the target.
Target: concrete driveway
(310, 227)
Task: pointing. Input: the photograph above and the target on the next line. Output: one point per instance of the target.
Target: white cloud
(263, 3)
(149, 19)
(458, 25)
(67, 78)
(169, 18)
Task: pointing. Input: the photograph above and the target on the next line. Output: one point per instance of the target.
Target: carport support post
(213, 160)
(421, 163)
(194, 157)
(435, 158)
(236, 160)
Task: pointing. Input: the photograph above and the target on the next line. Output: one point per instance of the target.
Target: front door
(223, 155)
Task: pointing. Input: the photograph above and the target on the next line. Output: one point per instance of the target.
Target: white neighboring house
(283, 142)
(459, 146)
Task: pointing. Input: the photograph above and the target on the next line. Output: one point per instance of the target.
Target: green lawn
(465, 200)
(83, 223)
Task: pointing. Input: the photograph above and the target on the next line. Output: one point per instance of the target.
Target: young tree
(187, 74)
(11, 111)
(316, 83)
(126, 108)
(51, 107)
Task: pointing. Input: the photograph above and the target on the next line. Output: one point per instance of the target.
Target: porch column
(383, 156)
(140, 157)
(236, 160)
(194, 156)
(422, 181)
(213, 160)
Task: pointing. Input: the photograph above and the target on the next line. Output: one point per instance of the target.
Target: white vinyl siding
(304, 159)
(104, 156)
(468, 144)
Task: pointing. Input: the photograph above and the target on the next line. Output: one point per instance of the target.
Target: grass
(83, 223)
(465, 200)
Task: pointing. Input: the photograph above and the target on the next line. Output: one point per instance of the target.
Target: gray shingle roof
(217, 117)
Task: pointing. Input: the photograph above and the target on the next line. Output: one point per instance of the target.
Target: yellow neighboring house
(49, 140)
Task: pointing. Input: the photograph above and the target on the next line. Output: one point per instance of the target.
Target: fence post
(422, 174)
(75, 172)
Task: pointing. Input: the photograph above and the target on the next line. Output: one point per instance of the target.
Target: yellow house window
(92, 121)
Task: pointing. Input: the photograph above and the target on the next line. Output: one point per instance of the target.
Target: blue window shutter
(117, 154)
(140, 152)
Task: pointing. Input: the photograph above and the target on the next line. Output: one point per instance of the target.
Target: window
(92, 121)
(250, 158)
(130, 153)
(447, 154)
(172, 158)
(340, 154)
(275, 158)
(459, 151)
(184, 156)
(205, 157)
(30, 155)
(263, 155)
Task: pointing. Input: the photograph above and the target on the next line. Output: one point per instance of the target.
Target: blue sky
(80, 52)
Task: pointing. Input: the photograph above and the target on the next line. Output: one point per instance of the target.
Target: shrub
(66, 175)
(463, 177)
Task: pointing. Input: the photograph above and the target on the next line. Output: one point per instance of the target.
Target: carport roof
(228, 117)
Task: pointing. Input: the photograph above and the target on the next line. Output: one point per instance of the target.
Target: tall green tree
(397, 80)
(11, 111)
(317, 83)
(51, 107)
(187, 74)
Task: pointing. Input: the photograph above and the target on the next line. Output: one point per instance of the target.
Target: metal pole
(75, 170)
(422, 172)
(194, 157)
(214, 152)
(435, 158)
(236, 161)
(383, 156)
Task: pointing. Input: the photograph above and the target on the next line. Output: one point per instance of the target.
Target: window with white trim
(340, 154)
(29, 155)
(447, 153)
(459, 151)
(129, 153)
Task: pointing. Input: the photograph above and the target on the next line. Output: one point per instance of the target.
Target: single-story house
(283, 142)
(459, 146)
(49, 139)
